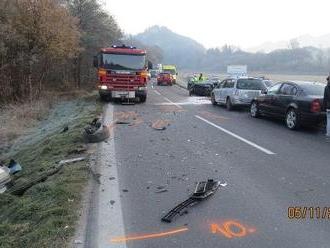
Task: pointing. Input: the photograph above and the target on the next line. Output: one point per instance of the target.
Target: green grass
(45, 216)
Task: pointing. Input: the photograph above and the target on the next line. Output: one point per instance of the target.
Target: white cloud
(244, 23)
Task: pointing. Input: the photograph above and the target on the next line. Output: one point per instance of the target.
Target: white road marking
(237, 136)
(157, 92)
(172, 103)
(110, 222)
(183, 103)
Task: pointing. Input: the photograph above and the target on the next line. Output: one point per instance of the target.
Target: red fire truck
(122, 73)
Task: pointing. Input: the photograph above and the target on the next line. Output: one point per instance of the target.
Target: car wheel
(292, 119)
(254, 110)
(213, 100)
(190, 92)
(229, 105)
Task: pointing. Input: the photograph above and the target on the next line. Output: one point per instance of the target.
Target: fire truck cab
(122, 73)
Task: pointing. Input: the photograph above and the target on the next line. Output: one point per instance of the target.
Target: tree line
(48, 44)
(293, 60)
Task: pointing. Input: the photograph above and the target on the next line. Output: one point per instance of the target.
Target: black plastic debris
(14, 167)
(123, 122)
(65, 129)
(202, 191)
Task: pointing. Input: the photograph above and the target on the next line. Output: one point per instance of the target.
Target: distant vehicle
(122, 73)
(170, 69)
(298, 103)
(165, 78)
(154, 73)
(201, 88)
(237, 92)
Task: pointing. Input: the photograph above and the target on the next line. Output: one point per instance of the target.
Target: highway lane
(201, 142)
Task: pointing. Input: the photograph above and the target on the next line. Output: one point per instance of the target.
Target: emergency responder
(326, 103)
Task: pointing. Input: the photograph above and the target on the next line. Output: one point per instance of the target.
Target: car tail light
(316, 106)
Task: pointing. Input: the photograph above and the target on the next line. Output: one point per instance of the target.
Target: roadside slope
(45, 215)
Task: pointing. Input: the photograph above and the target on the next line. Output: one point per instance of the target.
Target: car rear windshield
(250, 84)
(313, 89)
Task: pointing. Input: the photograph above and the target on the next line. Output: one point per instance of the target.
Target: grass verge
(46, 214)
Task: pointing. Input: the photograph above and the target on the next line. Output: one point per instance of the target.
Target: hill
(177, 49)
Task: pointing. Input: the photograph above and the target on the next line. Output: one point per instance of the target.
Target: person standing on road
(326, 103)
(200, 77)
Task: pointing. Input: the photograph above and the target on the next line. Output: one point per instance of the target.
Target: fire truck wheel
(143, 98)
(105, 98)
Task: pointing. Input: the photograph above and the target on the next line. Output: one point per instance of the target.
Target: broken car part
(96, 132)
(14, 167)
(4, 178)
(202, 191)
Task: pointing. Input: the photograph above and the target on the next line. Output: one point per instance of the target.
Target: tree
(294, 44)
(98, 29)
(34, 34)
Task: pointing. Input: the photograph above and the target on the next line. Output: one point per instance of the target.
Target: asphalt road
(267, 169)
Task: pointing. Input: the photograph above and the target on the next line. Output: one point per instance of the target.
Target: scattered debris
(129, 118)
(161, 191)
(112, 178)
(223, 184)
(202, 191)
(122, 122)
(96, 132)
(20, 188)
(72, 160)
(112, 202)
(65, 129)
(4, 178)
(160, 124)
(77, 241)
(125, 190)
(14, 167)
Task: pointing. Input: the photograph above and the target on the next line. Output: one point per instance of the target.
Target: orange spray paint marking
(231, 229)
(148, 236)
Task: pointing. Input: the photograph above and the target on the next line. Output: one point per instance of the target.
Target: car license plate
(125, 94)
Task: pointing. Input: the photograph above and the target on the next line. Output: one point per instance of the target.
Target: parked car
(201, 88)
(165, 78)
(268, 83)
(237, 91)
(298, 103)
